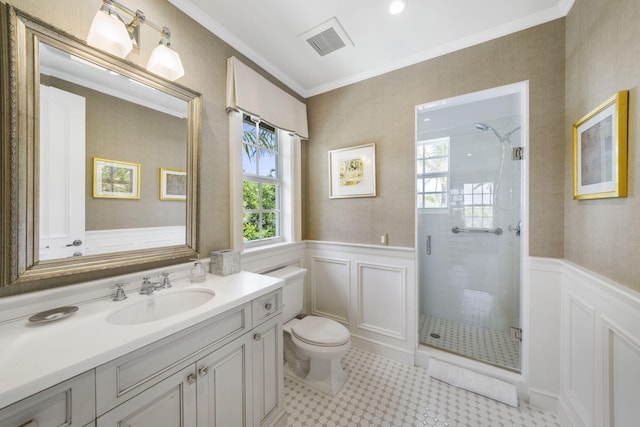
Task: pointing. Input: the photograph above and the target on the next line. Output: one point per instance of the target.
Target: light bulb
(397, 6)
(166, 63)
(108, 33)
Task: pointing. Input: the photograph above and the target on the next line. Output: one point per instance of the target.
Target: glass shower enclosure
(469, 180)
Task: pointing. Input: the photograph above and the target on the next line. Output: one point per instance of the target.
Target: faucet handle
(166, 283)
(147, 287)
(120, 295)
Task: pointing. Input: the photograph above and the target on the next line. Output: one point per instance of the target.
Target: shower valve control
(517, 153)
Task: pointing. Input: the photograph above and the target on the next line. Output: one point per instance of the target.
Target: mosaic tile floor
(495, 347)
(381, 392)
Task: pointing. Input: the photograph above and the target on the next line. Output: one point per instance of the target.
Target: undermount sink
(160, 306)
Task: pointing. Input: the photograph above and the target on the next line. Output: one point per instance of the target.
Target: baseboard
(566, 420)
(543, 400)
(281, 421)
(384, 350)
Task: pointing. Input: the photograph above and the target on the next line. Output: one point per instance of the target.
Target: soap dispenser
(198, 273)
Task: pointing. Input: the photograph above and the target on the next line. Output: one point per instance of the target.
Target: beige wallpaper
(381, 110)
(602, 58)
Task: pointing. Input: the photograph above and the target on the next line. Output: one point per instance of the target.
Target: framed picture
(173, 184)
(600, 151)
(115, 179)
(352, 172)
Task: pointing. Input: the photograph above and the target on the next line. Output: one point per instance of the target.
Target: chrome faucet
(120, 295)
(147, 287)
(165, 283)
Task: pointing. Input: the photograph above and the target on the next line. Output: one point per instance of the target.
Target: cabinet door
(170, 403)
(224, 386)
(267, 372)
(71, 403)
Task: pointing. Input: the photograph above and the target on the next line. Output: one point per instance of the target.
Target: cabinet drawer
(129, 375)
(70, 403)
(266, 306)
(172, 402)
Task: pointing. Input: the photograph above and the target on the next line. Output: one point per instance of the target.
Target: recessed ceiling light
(397, 6)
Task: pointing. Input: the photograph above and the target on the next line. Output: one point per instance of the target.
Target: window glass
(432, 170)
(261, 181)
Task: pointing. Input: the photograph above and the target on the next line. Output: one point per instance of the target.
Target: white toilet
(313, 346)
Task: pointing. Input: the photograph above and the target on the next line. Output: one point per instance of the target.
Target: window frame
(423, 176)
(261, 181)
(290, 190)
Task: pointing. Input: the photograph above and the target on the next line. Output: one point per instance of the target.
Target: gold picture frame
(115, 179)
(352, 172)
(600, 150)
(173, 184)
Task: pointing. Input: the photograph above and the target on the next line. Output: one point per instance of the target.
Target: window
(261, 185)
(433, 173)
(478, 204)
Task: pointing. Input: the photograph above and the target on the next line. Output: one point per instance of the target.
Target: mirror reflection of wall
(120, 130)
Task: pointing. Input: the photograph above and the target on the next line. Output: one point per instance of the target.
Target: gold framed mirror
(85, 136)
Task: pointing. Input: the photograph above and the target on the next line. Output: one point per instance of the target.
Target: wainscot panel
(371, 289)
(600, 352)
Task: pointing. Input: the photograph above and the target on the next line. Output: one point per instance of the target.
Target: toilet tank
(292, 291)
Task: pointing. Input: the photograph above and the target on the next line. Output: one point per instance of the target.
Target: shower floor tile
(382, 392)
(495, 347)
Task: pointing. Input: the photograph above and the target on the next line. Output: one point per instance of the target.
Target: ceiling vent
(326, 42)
(327, 37)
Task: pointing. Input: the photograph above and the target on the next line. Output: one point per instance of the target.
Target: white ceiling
(268, 32)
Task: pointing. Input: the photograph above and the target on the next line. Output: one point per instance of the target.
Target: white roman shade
(248, 91)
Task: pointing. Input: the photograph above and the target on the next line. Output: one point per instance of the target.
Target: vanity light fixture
(164, 61)
(397, 6)
(109, 32)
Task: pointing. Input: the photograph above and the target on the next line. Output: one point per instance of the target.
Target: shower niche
(470, 172)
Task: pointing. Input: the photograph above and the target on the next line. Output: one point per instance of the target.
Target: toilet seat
(321, 332)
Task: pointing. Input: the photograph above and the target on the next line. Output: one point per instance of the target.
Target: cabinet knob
(204, 370)
(257, 337)
(268, 306)
(192, 378)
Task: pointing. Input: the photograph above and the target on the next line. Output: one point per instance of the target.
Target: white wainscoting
(600, 365)
(129, 239)
(264, 259)
(371, 290)
(332, 298)
(590, 364)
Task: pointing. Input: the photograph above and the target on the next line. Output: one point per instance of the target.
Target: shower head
(485, 127)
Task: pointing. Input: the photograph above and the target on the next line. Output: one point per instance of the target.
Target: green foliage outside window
(260, 187)
(259, 197)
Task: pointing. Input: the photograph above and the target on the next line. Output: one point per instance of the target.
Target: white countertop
(36, 356)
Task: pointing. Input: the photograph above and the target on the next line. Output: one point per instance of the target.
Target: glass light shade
(165, 63)
(108, 33)
(397, 6)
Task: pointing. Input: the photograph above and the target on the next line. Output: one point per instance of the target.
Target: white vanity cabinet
(225, 372)
(224, 386)
(70, 404)
(268, 383)
(171, 402)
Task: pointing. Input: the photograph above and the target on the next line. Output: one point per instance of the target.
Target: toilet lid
(320, 331)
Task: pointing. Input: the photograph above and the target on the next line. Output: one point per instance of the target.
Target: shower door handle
(428, 245)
